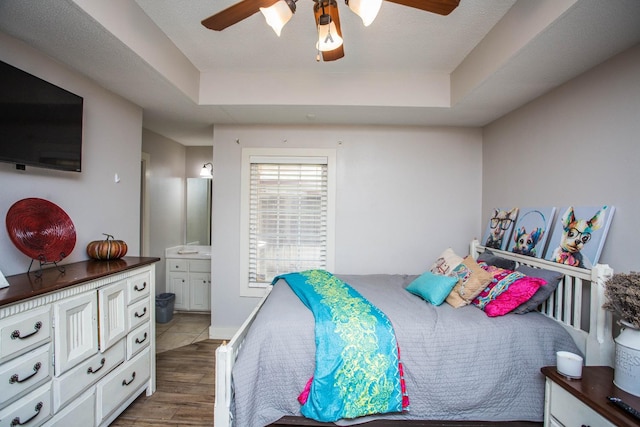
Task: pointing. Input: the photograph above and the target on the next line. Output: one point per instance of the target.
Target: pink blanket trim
(302, 398)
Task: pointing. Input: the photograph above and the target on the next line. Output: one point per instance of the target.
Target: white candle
(569, 364)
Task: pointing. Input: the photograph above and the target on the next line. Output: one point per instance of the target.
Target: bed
(459, 364)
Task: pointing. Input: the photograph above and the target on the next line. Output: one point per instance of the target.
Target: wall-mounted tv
(40, 123)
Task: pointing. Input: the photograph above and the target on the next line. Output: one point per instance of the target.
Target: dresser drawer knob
(138, 315)
(133, 377)
(16, 421)
(137, 289)
(17, 335)
(140, 341)
(90, 370)
(15, 378)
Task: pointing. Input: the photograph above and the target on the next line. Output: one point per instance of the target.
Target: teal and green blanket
(358, 370)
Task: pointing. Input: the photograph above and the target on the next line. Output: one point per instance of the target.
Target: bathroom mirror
(198, 211)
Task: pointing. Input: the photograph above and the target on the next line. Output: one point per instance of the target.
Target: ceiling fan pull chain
(328, 38)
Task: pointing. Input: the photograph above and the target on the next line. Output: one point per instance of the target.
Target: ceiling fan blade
(235, 14)
(441, 7)
(332, 9)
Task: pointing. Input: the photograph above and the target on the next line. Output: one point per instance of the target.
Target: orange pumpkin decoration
(107, 249)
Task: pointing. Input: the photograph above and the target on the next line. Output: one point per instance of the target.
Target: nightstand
(584, 402)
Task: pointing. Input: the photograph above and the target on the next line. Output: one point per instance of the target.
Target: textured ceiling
(409, 67)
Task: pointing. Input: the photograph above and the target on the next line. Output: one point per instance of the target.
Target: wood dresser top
(28, 285)
(593, 388)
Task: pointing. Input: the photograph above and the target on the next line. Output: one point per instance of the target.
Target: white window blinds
(288, 200)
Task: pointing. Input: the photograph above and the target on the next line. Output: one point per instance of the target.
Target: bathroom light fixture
(278, 14)
(205, 172)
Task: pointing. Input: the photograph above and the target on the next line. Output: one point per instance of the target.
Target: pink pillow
(517, 293)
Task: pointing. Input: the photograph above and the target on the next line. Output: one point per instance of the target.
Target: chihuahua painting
(526, 242)
(576, 233)
(500, 224)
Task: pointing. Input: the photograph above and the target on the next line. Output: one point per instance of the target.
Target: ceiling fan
(330, 43)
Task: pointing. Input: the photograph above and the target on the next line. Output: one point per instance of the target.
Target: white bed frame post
(226, 356)
(600, 345)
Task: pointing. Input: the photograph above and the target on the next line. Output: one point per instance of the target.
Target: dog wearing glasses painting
(576, 233)
(499, 226)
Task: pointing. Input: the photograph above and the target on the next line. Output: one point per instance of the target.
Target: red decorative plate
(41, 229)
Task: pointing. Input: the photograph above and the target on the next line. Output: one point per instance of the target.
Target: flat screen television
(40, 123)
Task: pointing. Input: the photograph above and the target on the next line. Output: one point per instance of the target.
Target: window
(287, 214)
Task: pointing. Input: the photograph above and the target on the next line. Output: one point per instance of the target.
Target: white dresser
(189, 277)
(76, 348)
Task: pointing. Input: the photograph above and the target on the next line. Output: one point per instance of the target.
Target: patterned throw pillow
(507, 290)
(445, 263)
(471, 281)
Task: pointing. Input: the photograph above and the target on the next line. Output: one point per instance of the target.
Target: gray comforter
(459, 363)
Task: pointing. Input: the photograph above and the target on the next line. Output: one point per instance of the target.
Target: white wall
(111, 144)
(166, 193)
(403, 196)
(578, 145)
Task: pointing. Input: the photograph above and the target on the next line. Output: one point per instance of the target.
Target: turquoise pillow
(432, 287)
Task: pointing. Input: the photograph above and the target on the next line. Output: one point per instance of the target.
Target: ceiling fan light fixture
(279, 14)
(367, 10)
(328, 37)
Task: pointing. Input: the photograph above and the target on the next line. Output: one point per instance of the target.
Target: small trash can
(164, 307)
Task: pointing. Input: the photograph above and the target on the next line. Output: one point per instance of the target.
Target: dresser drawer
(139, 313)
(178, 264)
(23, 332)
(86, 373)
(121, 384)
(138, 287)
(569, 411)
(200, 266)
(25, 373)
(138, 339)
(81, 412)
(32, 410)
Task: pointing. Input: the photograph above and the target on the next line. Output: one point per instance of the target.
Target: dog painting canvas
(531, 231)
(500, 227)
(579, 235)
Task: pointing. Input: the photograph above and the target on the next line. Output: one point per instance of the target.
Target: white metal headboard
(576, 304)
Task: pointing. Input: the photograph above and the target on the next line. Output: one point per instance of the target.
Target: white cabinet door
(200, 289)
(113, 314)
(75, 330)
(179, 285)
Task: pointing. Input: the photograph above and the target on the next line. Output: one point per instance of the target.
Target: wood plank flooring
(185, 390)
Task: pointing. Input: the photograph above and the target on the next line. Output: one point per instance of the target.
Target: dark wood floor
(185, 390)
